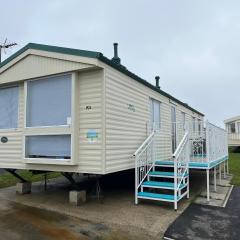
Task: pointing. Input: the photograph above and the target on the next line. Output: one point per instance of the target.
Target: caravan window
(48, 146)
(199, 127)
(49, 101)
(232, 127)
(183, 120)
(9, 107)
(193, 124)
(155, 113)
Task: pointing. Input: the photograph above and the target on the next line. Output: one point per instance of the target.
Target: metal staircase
(162, 180)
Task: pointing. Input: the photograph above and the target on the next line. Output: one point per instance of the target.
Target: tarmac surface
(208, 222)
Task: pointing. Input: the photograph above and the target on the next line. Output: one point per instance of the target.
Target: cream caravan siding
(33, 66)
(11, 152)
(127, 114)
(90, 121)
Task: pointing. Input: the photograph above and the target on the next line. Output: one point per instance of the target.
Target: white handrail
(181, 159)
(143, 161)
(180, 146)
(144, 143)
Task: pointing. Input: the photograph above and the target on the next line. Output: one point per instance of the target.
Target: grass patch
(234, 167)
(7, 180)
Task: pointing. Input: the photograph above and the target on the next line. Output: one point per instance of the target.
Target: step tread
(167, 163)
(162, 173)
(158, 196)
(161, 184)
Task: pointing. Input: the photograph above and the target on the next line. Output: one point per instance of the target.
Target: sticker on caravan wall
(92, 136)
(131, 107)
(4, 139)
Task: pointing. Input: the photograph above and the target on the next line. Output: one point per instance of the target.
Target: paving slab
(218, 198)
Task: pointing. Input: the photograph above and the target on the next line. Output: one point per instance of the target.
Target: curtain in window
(52, 146)
(49, 101)
(9, 107)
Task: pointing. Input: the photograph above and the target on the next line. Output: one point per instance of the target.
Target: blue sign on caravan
(92, 135)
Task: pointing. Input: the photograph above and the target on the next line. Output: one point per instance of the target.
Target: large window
(49, 104)
(48, 146)
(9, 107)
(49, 101)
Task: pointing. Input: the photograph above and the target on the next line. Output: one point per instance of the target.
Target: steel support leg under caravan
(13, 172)
(208, 186)
(69, 177)
(215, 179)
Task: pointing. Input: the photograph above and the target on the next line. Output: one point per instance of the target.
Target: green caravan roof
(99, 56)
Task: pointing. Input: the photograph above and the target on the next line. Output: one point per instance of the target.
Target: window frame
(54, 129)
(152, 100)
(174, 130)
(193, 124)
(18, 108)
(230, 127)
(26, 98)
(183, 114)
(199, 126)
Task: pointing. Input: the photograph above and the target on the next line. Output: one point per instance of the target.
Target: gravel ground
(48, 214)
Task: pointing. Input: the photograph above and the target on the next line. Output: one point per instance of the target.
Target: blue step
(165, 163)
(159, 174)
(163, 185)
(163, 174)
(156, 196)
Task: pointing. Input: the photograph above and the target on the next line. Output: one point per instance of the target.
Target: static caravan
(232, 126)
(77, 111)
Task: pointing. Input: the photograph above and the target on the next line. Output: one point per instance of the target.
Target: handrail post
(207, 142)
(175, 183)
(136, 181)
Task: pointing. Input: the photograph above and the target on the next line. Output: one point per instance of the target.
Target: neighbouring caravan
(232, 126)
(77, 111)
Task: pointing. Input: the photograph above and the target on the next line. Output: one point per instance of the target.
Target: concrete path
(209, 222)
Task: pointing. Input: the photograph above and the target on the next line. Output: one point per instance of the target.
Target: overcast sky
(193, 45)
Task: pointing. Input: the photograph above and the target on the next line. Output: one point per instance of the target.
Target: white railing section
(144, 160)
(198, 144)
(209, 144)
(216, 142)
(181, 158)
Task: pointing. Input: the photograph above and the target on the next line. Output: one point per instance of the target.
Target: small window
(155, 113)
(174, 128)
(232, 127)
(238, 127)
(183, 120)
(194, 124)
(48, 146)
(199, 127)
(9, 107)
(49, 101)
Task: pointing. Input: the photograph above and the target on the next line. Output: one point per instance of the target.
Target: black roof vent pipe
(157, 78)
(116, 59)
